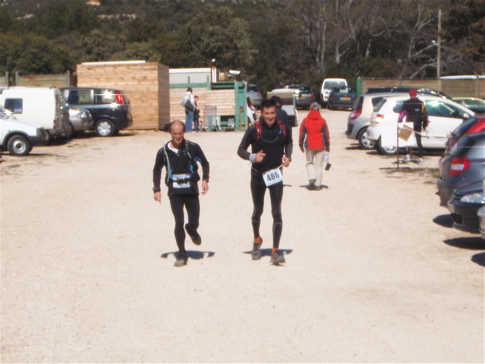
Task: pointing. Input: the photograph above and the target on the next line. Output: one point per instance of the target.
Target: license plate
(345, 98)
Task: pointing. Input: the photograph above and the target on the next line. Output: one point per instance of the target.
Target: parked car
(342, 98)
(464, 205)
(463, 166)
(255, 96)
(110, 108)
(19, 137)
(327, 86)
(473, 125)
(444, 116)
(288, 100)
(406, 89)
(481, 217)
(359, 119)
(304, 95)
(41, 106)
(475, 104)
(251, 112)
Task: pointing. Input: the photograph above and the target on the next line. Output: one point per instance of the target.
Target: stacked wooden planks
(146, 84)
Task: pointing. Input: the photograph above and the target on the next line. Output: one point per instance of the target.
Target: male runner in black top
(271, 145)
(180, 156)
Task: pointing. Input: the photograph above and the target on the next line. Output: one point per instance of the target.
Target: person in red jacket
(315, 138)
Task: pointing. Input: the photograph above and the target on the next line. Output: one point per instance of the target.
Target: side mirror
(466, 116)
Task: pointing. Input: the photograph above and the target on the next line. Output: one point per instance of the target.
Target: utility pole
(438, 65)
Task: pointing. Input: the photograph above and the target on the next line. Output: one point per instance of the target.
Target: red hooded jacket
(314, 132)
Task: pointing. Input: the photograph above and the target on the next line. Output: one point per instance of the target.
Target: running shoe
(256, 252)
(194, 235)
(407, 158)
(277, 257)
(182, 259)
(311, 186)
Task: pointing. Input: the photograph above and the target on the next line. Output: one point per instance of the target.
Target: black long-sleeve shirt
(272, 142)
(181, 162)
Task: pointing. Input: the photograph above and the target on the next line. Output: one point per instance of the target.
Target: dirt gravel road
(374, 271)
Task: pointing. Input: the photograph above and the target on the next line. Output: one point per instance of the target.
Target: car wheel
(364, 142)
(104, 128)
(387, 150)
(19, 145)
(68, 130)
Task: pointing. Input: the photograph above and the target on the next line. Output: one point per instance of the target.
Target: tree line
(294, 41)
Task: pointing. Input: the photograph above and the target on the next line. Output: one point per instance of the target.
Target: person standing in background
(189, 109)
(196, 114)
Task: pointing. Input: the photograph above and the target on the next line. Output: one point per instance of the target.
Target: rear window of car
(302, 88)
(253, 88)
(358, 103)
(375, 101)
(330, 84)
(380, 104)
(105, 97)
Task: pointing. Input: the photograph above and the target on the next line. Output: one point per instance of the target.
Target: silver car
(80, 119)
(254, 95)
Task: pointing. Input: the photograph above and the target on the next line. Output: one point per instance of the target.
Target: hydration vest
(259, 129)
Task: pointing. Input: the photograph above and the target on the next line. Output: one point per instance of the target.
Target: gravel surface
(374, 271)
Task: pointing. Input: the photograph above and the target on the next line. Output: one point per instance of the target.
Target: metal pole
(438, 66)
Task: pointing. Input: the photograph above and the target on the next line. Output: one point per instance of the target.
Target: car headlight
(477, 197)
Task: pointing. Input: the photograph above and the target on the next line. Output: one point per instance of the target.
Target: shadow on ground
(444, 220)
(267, 252)
(193, 254)
(470, 243)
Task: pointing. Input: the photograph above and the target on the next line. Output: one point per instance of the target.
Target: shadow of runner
(444, 220)
(479, 259)
(471, 243)
(192, 254)
(266, 252)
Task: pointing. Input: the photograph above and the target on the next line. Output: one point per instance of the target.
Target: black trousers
(192, 205)
(258, 190)
(418, 137)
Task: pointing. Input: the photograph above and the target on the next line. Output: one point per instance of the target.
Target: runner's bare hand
(285, 161)
(157, 196)
(259, 156)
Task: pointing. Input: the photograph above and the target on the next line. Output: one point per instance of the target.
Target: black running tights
(191, 203)
(258, 190)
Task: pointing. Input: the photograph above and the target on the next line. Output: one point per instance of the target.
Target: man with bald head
(180, 156)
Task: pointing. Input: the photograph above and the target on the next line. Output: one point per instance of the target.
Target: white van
(19, 137)
(327, 86)
(36, 105)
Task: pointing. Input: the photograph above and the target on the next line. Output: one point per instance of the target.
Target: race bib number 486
(272, 177)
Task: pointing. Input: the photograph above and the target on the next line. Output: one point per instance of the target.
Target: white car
(444, 116)
(19, 137)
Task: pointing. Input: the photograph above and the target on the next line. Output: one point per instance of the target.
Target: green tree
(464, 26)
(217, 33)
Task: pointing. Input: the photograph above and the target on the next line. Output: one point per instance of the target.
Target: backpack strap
(259, 129)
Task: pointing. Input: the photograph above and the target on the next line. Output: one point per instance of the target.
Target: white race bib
(272, 176)
(184, 178)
